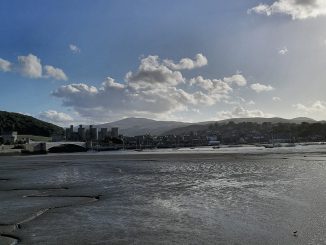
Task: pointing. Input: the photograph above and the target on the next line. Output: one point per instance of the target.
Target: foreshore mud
(7, 231)
(242, 197)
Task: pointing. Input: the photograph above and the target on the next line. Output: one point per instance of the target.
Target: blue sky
(99, 61)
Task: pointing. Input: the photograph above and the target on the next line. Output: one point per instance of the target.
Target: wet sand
(164, 198)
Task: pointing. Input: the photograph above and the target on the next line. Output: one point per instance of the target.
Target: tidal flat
(198, 196)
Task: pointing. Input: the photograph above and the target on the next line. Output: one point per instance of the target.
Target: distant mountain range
(128, 126)
(140, 126)
(204, 125)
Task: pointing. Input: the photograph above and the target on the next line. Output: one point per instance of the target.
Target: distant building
(70, 133)
(103, 133)
(71, 137)
(93, 133)
(139, 140)
(67, 133)
(115, 132)
(214, 142)
(9, 137)
(81, 133)
(212, 139)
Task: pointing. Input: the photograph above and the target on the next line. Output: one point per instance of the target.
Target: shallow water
(169, 198)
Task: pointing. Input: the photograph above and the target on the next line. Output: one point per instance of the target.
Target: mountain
(204, 125)
(296, 120)
(304, 119)
(27, 125)
(140, 126)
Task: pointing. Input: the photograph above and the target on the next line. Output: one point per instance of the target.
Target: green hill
(204, 126)
(27, 125)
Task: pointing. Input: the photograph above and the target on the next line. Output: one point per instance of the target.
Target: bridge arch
(66, 148)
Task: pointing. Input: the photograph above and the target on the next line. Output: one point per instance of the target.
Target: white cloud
(317, 106)
(76, 88)
(5, 65)
(258, 88)
(152, 73)
(283, 51)
(276, 99)
(55, 73)
(251, 102)
(30, 66)
(238, 79)
(154, 90)
(113, 98)
(56, 117)
(110, 83)
(187, 63)
(214, 86)
(73, 48)
(297, 9)
(240, 112)
(217, 85)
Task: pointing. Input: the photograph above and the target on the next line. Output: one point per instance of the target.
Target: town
(93, 138)
(101, 139)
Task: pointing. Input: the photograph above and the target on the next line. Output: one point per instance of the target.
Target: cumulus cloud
(317, 106)
(55, 117)
(113, 98)
(212, 86)
(276, 99)
(240, 112)
(217, 85)
(283, 51)
(238, 79)
(73, 48)
(187, 63)
(152, 73)
(30, 66)
(258, 88)
(153, 90)
(5, 65)
(297, 9)
(55, 73)
(76, 88)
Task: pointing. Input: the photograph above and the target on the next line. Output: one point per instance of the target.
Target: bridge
(45, 146)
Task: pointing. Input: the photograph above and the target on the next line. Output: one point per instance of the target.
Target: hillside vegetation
(28, 125)
(252, 132)
(238, 124)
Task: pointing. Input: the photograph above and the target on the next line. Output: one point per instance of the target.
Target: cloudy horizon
(85, 62)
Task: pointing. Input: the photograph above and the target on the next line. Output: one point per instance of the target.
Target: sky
(97, 61)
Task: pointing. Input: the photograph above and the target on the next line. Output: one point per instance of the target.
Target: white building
(9, 137)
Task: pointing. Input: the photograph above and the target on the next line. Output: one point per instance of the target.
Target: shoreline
(208, 150)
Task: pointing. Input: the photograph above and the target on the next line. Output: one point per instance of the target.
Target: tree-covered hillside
(23, 124)
(251, 132)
